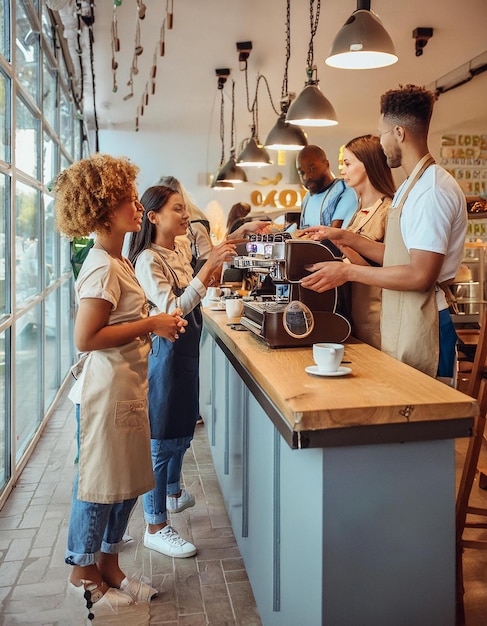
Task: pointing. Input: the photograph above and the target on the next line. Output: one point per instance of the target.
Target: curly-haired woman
(98, 195)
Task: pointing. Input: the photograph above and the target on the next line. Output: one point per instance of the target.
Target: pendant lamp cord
(285, 87)
(232, 131)
(314, 18)
(222, 127)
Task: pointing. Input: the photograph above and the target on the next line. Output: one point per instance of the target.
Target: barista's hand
(318, 233)
(325, 276)
(211, 271)
(169, 325)
(224, 251)
(250, 228)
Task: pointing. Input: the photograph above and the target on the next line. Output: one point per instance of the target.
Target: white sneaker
(176, 505)
(167, 541)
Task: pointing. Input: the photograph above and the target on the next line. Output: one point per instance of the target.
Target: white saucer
(341, 371)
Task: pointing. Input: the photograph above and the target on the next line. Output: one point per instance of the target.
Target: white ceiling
(204, 38)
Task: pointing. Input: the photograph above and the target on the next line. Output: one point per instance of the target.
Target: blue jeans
(167, 461)
(448, 343)
(95, 528)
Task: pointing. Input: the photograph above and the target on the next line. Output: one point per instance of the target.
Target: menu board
(465, 157)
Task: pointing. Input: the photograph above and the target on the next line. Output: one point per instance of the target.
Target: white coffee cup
(226, 291)
(213, 293)
(328, 356)
(234, 307)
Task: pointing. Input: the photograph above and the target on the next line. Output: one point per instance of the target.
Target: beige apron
(367, 299)
(115, 457)
(409, 320)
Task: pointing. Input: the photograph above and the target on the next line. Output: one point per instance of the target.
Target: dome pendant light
(231, 172)
(222, 78)
(311, 108)
(253, 154)
(284, 136)
(362, 43)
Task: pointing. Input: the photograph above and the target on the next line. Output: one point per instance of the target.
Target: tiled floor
(211, 588)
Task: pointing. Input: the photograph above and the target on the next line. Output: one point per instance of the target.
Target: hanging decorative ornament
(130, 84)
(115, 49)
(138, 48)
(115, 39)
(170, 14)
(162, 37)
(141, 9)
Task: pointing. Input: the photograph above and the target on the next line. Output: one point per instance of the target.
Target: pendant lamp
(222, 78)
(311, 108)
(362, 42)
(231, 172)
(284, 136)
(253, 154)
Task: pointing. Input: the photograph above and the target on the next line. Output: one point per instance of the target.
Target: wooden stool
(477, 388)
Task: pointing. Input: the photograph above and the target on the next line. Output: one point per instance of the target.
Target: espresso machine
(293, 316)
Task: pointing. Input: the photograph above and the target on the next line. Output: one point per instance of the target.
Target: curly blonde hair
(89, 191)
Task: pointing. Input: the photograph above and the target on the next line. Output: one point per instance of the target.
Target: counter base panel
(335, 536)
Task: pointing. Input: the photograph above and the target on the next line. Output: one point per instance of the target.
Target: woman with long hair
(163, 268)
(365, 169)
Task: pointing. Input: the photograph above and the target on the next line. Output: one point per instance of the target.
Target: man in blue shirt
(329, 202)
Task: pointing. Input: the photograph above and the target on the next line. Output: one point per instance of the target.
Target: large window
(4, 243)
(36, 290)
(27, 140)
(27, 243)
(27, 49)
(4, 117)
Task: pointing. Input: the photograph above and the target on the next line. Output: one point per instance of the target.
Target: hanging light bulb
(311, 108)
(362, 42)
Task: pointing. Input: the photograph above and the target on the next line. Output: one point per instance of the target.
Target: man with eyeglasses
(423, 246)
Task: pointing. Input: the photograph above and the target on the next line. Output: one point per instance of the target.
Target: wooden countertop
(400, 402)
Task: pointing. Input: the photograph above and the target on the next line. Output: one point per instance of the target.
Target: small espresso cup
(234, 307)
(213, 293)
(328, 356)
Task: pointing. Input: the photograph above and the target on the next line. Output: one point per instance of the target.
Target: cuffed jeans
(95, 527)
(167, 461)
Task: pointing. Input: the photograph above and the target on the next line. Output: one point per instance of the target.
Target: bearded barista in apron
(98, 195)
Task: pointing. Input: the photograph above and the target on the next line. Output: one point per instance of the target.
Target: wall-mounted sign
(465, 157)
(287, 198)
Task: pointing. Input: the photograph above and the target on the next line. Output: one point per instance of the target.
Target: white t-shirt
(434, 219)
(107, 278)
(157, 281)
